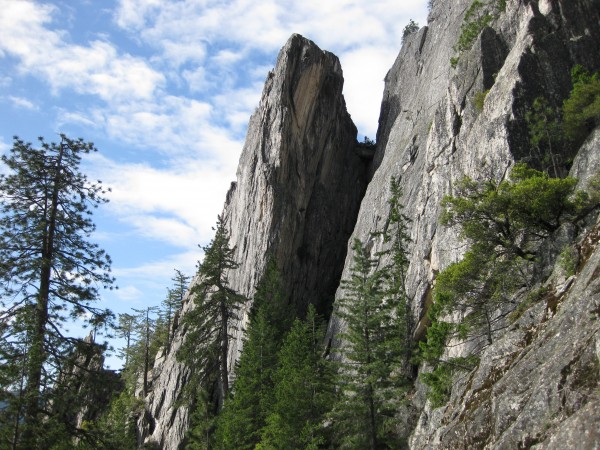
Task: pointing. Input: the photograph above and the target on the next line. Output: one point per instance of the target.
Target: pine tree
(504, 223)
(244, 415)
(398, 237)
(371, 355)
(145, 329)
(172, 303)
(49, 271)
(125, 330)
(304, 389)
(206, 344)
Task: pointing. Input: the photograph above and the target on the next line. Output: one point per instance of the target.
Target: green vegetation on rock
(505, 223)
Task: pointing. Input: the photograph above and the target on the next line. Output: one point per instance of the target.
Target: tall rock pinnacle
(299, 186)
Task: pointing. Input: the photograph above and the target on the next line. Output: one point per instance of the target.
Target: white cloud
(96, 68)
(244, 30)
(177, 205)
(69, 117)
(197, 80)
(364, 71)
(163, 269)
(179, 128)
(218, 54)
(128, 293)
(21, 102)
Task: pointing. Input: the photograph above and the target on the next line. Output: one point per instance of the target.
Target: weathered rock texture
(300, 182)
(431, 133)
(299, 185)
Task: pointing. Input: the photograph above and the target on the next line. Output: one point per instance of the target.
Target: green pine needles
(478, 16)
(50, 274)
(505, 224)
(285, 389)
(555, 133)
(206, 344)
(371, 355)
(377, 342)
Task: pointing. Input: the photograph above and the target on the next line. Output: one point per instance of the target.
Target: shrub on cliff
(581, 110)
(504, 223)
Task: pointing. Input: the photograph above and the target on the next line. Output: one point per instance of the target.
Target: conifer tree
(371, 354)
(49, 271)
(172, 303)
(244, 415)
(126, 330)
(206, 343)
(303, 392)
(145, 328)
(200, 435)
(504, 223)
(397, 235)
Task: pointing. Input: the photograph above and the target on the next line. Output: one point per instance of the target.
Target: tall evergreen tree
(126, 330)
(397, 235)
(370, 355)
(304, 389)
(172, 303)
(49, 271)
(145, 328)
(244, 415)
(206, 344)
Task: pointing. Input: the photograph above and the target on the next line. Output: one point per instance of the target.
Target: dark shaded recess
(320, 262)
(493, 55)
(546, 72)
(328, 223)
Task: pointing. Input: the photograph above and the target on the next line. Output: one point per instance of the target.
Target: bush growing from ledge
(475, 21)
(581, 111)
(478, 16)
(504, 222)
(411, 28)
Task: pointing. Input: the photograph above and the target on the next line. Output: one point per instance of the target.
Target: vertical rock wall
(299, 186)
(432, 133)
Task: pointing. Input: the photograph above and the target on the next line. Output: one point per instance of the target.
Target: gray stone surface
(431, 134)
(300, 183)
(296, 198)
(537, 384)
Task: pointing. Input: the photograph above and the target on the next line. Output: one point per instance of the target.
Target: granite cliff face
(432, 133)
(299, 185)
(304, 192)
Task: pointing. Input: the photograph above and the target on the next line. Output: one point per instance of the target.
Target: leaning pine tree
(49, 273)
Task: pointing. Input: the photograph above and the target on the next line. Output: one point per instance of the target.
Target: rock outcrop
(431, 134)
(84, 388)
(305, 190)
(299, 185)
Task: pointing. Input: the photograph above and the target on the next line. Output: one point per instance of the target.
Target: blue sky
(165, 90)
